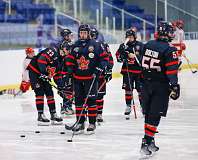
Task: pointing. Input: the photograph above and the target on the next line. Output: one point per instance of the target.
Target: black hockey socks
(99, 104)
(51, 104)
(40, 104)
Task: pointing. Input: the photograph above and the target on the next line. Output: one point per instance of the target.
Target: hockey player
(105, 77)
(63, 81)
(131, 69)
(178, 41)
(25, 83)
(41, 69)
(160, 68)
(86, 62)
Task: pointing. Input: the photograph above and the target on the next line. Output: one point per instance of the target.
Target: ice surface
(115, 139)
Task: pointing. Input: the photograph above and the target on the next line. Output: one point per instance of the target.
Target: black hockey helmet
(84, 27)
(165, 31)
(130, 32)
(65, 32)
(94, 33)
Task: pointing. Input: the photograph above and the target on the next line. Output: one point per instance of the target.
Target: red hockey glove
(24, 86)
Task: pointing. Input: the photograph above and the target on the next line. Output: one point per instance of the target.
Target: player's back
(154, 60)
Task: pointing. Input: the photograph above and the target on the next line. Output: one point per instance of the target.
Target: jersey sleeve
(171, 65)
(42, 62)
(119, 53)
(70, 62)
(103, 57)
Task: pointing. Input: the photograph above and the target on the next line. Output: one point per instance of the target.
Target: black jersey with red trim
(107, 49)
(160, 62)
(85, 57)
(45, 62)
(124, 56)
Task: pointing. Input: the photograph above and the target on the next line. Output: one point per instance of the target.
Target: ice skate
(55, 120)
(42, 120)
(91, 129)
(79, 129)
(127, 112)
(152, 147)
(144, 149)
(99, 118)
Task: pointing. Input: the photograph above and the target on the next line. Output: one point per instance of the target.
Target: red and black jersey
(123, 55)
(85, 57)
(107, 49)
(160, 62)
(46, 62)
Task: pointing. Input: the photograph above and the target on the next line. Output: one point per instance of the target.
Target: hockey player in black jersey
(160, 68)
(63, 81)
(105, 77)
(86, 63)
(127, 54)
(41, 69)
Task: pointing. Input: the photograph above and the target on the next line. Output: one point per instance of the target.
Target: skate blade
(145, 156)
(90, 132)
(79, 132)
(43, 123)
(56, 123)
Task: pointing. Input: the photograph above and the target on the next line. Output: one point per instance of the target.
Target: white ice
(115, 139)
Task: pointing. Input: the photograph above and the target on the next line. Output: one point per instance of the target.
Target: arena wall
(11, 63)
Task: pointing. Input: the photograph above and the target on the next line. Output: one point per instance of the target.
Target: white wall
(11, 62)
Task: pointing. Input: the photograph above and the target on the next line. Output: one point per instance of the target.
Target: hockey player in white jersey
(25, 83)
(178, 41)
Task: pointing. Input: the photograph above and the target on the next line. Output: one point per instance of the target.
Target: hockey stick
(189, 64)
(50, 82)
(129, 80)
(17, 93)
(84, 107)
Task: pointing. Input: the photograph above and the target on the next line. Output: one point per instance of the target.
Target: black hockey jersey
(124, 56)
(85, 57)
(160, 62)
(46, 62)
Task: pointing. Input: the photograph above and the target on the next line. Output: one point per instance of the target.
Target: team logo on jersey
(83, 63)
(76, 49)
(91, 48)
(51, 71)
(37, 85)
(91, 55)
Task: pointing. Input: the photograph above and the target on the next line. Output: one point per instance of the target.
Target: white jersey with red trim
(179, 36)
(25, 74)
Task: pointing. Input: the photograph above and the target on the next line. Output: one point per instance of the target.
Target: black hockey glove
(174, 91)
(108, 75)
(44, 78)
(61, 92)
(97, 72)
(67, 81)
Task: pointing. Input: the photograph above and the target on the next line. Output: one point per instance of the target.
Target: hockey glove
(108, 75)
(174, 91)
(24, 86)
(67, 81)
(97, 72)
(44, 78)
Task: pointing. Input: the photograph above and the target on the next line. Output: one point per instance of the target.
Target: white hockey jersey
(179, 36)
(25, 73)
